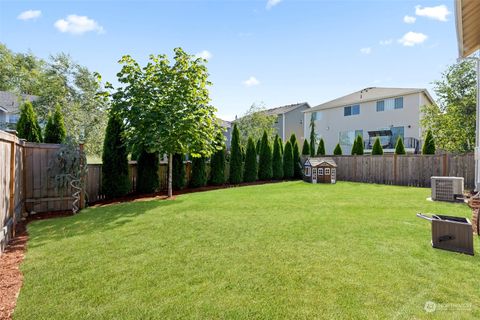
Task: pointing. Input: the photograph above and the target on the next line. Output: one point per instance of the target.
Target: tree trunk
(170, 157)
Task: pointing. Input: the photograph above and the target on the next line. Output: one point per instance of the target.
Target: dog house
(320, 170)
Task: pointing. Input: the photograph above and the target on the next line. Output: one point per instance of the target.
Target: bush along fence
(406, 170)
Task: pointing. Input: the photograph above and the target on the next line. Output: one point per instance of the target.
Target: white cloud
(77, 25)
(272, 3)
(252, 81)
(386, 42)
(29, 14)
(205, 54)
(409, 19)
(439, 13)
(366, 50)
(411, 38)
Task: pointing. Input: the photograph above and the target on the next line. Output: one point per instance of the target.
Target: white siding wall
(331, 122)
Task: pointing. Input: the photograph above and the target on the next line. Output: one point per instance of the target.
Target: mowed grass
(287, 250)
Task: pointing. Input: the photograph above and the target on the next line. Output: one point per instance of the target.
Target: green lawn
(287, 250)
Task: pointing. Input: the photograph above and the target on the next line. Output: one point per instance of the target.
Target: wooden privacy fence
(406, 170)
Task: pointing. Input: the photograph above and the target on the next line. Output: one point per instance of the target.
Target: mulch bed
(11, 278)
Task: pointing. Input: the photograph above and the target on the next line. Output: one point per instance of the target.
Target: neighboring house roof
(285, 109)
(224, 123)
(369, 94)
(318, 161)
(11, 102)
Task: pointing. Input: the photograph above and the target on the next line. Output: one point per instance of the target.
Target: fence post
(395, 169)
(445, 165)
(11, 208)
(82, 182)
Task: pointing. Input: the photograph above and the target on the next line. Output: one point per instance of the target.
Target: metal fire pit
(451, 233)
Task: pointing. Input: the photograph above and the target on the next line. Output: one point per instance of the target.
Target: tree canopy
(254, 123)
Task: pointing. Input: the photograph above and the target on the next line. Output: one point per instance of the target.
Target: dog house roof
(314, 162)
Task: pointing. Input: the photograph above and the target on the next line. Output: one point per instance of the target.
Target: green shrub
(217, 168)
(258, 146)
(55, 131)
(147, 172)
(306, 148)
(178, 171)
(321, 148)
(297, 166)
(250, 172)
(377, 149)
(265, 161)
(312, 138)
(199, 173)
(27, 126)
(399, 147)
(115, 182)
(338, 150)
(293, 140)
(357, 148)
(277, 163)
(429, 144)
(288, 170)
(235, 157)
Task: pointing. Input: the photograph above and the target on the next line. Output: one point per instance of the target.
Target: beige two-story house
(386, 113)
(289, 120)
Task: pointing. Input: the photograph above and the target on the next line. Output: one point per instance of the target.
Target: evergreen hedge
(399, 147)
(277, 161)
(55, 131)
(147, 172)
(235, 157)
(250, 172)
(306, 148)
(297, 166)
(27, 126)
(115, 182)
(265, 161)
(199, 172)
(338, 150)
(429, 144)
(377, 149)
(321, 148)
(217, 168)
(258, 146)
(312, 138)
(288, 170)
(178, 171)
(358, 148)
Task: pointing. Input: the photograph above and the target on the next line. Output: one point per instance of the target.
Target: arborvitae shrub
(55, 131)
(178, 171)
(360, 146)
(147, 172)
(217, 168)
(306, 148)
(250, 172)
(235, 157)
(321, 148)
(377, 149)
(312, 139)
(399, 147)
(354, 148)
(293, 140)
(199, 173)
(265, 161)
(288, 161)
(115, 182)
(277, 163)
(258, 146)
(429, 144)
(27, 126)
(297, 166)
(338, 150)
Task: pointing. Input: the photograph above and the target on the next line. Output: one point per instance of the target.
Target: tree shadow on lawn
(92, 220)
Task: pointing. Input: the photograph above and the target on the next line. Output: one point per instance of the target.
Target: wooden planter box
(451, 233)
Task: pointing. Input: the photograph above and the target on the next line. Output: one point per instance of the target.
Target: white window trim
(320, 171)
(307, 171)
(327, 171)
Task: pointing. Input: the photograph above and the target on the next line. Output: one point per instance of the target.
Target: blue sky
(272, 51)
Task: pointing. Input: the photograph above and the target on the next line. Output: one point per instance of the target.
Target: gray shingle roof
(317, 161)
(285, 109)
(369, 94)
(11, 102)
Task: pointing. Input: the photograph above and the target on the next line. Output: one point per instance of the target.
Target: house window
(399, 103)
(307, 171)
(397, 132)
(13, 118)
(320, 171)
(380, 106)
(351, 110)
(346, 138)
(333, 172)
(327, 171)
